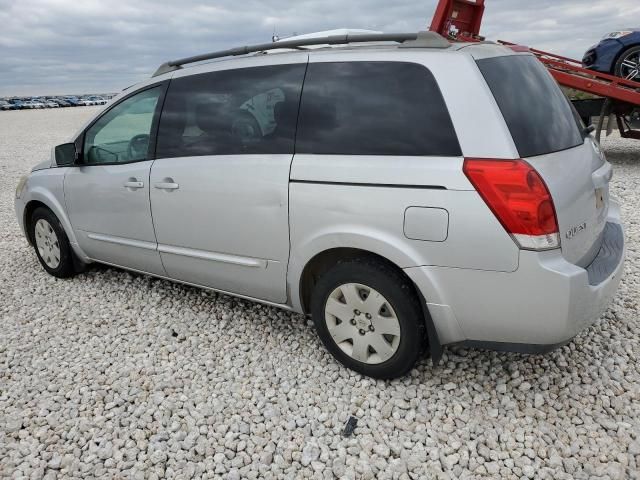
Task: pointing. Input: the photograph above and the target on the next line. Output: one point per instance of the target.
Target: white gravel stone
(382, 450)
(55, 462)
(538, 400)
(118, 375)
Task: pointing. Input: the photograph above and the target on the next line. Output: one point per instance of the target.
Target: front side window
(122, 134)
(244, 111)
(374, 108)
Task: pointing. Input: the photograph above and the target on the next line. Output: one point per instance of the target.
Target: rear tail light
(519, 198)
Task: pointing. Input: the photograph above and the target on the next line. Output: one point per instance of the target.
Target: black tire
(632, 52)
(65, 267)
(400, 294)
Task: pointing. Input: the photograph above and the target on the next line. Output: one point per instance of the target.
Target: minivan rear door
(548, 134)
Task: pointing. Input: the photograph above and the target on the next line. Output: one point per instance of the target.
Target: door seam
(153, 223)
(288, 289)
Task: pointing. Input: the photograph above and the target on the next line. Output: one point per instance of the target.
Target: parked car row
(24, 103)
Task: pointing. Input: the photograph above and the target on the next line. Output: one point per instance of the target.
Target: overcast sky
(78, 46)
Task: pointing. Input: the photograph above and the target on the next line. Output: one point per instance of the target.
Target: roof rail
(416, 40)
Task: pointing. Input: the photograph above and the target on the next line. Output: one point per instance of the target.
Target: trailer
(460, 21)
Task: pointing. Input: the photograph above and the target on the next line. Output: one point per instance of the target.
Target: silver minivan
(405, 192)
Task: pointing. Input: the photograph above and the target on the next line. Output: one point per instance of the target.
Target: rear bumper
(540, 306)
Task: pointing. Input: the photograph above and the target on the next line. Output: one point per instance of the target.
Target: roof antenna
(274, 37)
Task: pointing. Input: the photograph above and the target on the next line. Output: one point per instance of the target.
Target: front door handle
(167, 184)
(133, 184)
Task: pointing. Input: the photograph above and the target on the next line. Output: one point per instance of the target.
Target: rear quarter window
(374, 108)
(539, 116)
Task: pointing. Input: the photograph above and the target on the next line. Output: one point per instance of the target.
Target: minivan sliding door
(220, 181)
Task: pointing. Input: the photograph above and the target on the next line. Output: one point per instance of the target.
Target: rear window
(374, 108)
(539, 116)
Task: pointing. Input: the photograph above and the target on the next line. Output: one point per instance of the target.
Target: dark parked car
(17, 104)
(73, 101)
(4, 105)
(617, 53)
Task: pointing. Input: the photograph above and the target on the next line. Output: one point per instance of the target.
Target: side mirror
(65, 154)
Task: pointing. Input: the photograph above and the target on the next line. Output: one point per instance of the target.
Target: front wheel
(51, 243)
(368, 316)
(628, 65)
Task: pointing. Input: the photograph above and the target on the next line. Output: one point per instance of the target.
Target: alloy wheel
(630, 66)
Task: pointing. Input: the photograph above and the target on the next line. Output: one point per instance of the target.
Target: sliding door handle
(166, 186)
(133, 185)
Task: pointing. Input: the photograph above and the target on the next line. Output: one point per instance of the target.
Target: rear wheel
(368, 316)
(51, 243)
(628, 65)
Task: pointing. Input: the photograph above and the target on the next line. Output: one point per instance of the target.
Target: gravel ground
(123, 376)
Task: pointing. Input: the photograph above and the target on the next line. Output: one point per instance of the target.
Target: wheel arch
(28, 212)
(41, 197)
(324, 260)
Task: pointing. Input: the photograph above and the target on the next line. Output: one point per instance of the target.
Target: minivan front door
(220, 183)
(107, 195)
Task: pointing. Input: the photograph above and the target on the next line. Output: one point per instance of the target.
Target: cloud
(65, 46)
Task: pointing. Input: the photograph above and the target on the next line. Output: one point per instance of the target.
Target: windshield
(539, 116)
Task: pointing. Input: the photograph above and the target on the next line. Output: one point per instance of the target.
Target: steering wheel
(138, 147)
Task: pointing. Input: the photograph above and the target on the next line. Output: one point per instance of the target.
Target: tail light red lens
(519, 199)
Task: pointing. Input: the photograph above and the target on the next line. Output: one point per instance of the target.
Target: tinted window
(374, 108)
(537, 113)
(250, 111)
(122, 134)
